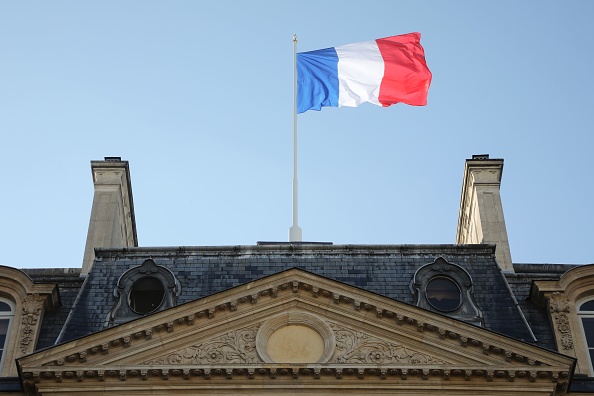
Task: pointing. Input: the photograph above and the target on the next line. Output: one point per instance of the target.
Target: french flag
(384, 72)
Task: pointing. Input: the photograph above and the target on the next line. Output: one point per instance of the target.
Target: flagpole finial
(294, 38)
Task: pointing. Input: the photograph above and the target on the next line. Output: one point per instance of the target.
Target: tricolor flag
(384, 72)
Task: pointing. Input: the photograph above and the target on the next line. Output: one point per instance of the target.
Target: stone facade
(295, 317)
(363, 340)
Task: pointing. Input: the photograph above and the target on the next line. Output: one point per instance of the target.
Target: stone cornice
(22, 285)
(572, 284)
(299, 249)
(446, 380)
(272, 371)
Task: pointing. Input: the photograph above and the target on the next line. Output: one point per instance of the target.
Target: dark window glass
(5, 307)
(587, 306)
(443, 294)
(3, 332)
(585, 310)
(589, 330)
(146, 295)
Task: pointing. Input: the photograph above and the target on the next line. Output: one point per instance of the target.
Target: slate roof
(69, 283)
(383, 269)
(520, 282)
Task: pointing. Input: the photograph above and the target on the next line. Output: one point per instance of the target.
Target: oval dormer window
(146, 295)
(443, 294)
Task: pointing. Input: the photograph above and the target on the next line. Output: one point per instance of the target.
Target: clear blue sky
(198, 97)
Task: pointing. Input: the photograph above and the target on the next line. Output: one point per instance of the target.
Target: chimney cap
(480, 156)
(113, 159)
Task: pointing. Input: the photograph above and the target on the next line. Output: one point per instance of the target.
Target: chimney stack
(480, 219)
(112, 222)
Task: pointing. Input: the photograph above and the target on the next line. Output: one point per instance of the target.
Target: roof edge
(301, 248)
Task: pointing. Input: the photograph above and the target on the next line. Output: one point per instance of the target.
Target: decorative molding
(357, 347)
(121, 311)
(31, 312)
(467, 309)
(238, 346)
(296, 318)
(36, 379)
(559, 305)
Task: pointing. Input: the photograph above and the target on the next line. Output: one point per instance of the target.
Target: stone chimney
(112, 222)
(480, 219)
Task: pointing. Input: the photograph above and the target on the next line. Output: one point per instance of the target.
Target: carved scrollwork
(356, 347)
(559, 306)
(562, 322)
(238, 346)
(31, 312)
(558, 303)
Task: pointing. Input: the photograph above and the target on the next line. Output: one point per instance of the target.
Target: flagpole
(295, 230)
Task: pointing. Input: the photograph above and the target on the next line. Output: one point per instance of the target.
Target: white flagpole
(295, 230)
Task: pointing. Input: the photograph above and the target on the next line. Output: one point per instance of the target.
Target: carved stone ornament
(297, 318)
(31, 312)
(237, 346)
(559, 309)
(356, 347)
(558, 303)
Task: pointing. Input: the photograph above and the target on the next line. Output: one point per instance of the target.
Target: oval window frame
(132, 290)
(453, 282)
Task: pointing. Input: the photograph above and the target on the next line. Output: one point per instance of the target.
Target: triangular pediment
(297, 324)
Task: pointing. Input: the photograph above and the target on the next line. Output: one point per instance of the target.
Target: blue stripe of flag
(317, 79)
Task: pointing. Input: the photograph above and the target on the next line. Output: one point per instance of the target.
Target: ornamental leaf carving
(357, 347)
(31, 312)
(559, 306)
(237, 346)
(558, 303)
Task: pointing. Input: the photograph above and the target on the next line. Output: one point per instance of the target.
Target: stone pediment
(295, 326)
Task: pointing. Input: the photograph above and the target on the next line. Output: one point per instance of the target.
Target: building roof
(69, 283)
(387, 270)
(520, 282)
